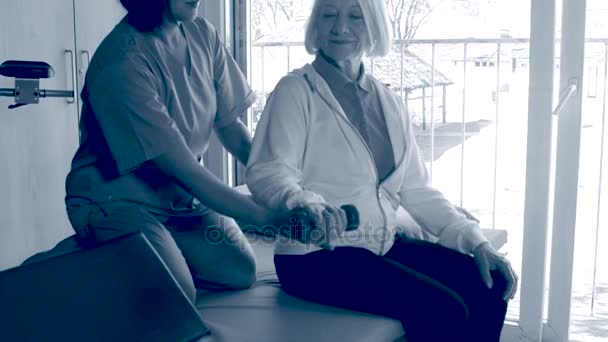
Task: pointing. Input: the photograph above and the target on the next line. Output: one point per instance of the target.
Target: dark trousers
(436, 293)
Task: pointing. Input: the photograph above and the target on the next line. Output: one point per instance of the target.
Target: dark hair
(145, 15)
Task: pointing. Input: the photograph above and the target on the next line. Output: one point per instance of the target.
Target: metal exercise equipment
(27, 76)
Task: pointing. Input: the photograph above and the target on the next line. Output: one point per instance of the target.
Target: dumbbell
(300, 222)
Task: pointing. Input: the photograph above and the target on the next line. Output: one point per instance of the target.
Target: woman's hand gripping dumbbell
(319, 224)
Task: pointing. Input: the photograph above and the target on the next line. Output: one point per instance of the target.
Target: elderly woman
(332, 135)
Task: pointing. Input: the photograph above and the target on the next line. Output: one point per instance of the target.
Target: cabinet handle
(72, 69)
(88, 55)
(84, 56)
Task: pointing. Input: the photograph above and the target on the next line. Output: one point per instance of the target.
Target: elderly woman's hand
(323, 223)
(488, 259)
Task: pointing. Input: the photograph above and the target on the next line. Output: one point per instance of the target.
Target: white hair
(376, 23)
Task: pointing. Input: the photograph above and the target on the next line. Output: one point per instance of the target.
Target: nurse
(157, 87)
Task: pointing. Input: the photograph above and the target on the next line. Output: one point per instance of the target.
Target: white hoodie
(305, 150)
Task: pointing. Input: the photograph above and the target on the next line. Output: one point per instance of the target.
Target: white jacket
(305, 150)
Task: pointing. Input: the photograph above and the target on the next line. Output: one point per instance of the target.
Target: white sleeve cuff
(464, 238)
(301, 198)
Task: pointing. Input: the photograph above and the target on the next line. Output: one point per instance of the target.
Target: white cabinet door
(94, 19)
(37, 142)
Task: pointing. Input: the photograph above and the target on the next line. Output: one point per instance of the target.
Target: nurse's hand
(321, 224)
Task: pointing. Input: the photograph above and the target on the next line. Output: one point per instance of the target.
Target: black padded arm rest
(26, 69)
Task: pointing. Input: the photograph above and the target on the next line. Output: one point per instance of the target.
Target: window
(487, 178)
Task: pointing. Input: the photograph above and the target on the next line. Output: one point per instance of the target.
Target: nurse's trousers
(207, 251)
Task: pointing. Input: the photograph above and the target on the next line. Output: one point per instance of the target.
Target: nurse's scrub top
(139, 100)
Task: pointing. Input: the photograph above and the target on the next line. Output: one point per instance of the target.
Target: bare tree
(277, 9)
(257, 13)
(287, 7)
(472, 8)
(406, 16)
(270, 13)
